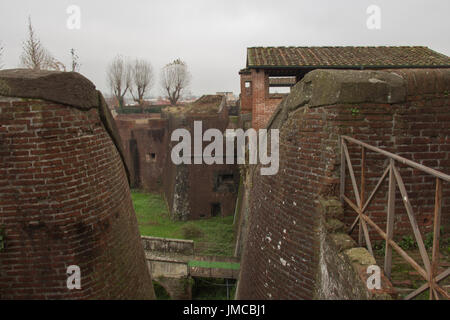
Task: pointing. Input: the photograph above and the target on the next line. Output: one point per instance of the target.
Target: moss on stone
(4, 88)
(342, 241)
(361, 256)
(332, 208)
(334, 226)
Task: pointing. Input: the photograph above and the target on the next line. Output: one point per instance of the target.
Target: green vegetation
(355, 111)
(214, 264)
(213, 289)
(404, 276)
(408, 242)
(191, 231)
(160, 292)
(213, 236)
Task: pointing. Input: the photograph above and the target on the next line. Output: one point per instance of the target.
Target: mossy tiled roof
(329, 57)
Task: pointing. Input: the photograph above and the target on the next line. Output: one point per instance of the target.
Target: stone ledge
(329, 87)
(332, 208)
(69, 88)
(350, 256)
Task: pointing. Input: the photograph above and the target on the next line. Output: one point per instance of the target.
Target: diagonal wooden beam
(390, 220)
(436, 229)
(441, 291)
(369, 200)
(352, 175)
(436, 295)
(380, 181)
(435, 173)
(352, 227)
(397, 248)
(412, 220)
(424, 287)
(362, 226)
(351, 204)
(418, 291)
(342, 186)
(367, 237)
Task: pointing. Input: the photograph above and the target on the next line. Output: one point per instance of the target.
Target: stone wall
(246, 96)
(168, 246)
(64, 194)
(402, 111)
(343, 267)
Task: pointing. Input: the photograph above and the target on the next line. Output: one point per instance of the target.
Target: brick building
(144, 139)
(271, 71)
(196, 191)
(192, 191)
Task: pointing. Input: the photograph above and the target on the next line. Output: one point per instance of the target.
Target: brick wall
(405, 112)
(256, 99)
(246, 92)
(191, 189)
(64, 200)
(145, 146)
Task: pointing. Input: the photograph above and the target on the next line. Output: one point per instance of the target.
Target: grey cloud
(211, 35)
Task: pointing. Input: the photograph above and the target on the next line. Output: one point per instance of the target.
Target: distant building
(229, 96)
(192, 191)
(271, 71)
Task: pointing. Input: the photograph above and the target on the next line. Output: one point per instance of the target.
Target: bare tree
(75, 61)
(175, 78)
(119, 78)
(141, 80)
(35, 56)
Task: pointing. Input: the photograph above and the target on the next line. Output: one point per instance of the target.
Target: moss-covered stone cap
(69, 88)
(361, 256)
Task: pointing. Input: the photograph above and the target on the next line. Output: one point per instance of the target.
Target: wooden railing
(430, 270)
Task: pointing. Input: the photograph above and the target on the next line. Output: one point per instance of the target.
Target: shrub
(407, 243)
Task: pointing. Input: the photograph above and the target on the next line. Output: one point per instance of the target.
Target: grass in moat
(214, 264)
(213, 236)
(213, 289)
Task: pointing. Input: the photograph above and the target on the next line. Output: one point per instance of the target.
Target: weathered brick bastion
(192, 191)
(195, 191)
(296, 247)
(64, 194)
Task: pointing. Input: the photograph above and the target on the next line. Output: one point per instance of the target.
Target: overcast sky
(212, 35)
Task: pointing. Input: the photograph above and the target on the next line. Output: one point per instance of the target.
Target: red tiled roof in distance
(329, 57)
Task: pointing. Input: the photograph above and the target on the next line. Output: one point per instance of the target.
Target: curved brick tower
(297, 245)
(64, 194)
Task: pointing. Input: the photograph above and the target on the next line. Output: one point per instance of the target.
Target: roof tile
(345, 57)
